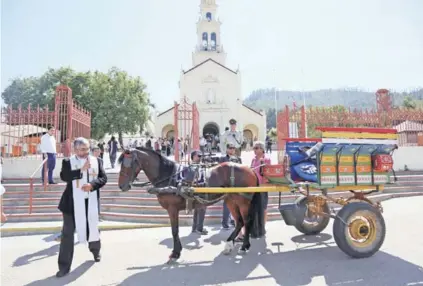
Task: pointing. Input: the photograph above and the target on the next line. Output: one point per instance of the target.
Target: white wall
(163, 120)
(23, 168)
(410, 156)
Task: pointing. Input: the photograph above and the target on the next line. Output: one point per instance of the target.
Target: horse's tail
(255, 213)
(256, 200)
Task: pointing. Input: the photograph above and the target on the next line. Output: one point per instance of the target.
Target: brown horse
(162, 172)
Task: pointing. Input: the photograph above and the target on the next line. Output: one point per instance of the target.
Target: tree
(409, 102)
(270, 118)
(41, 90)
(118, 102)
(121, 104)
(273, 133)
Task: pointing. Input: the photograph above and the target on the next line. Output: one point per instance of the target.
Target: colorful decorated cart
(344, 159)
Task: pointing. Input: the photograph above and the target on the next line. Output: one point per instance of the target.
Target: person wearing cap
(96, 152)
(229, 157)
(232, 136)
(200, 210)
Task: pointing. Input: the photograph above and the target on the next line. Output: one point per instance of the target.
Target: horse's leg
(174, 222)
(230, 242)
(246, 213)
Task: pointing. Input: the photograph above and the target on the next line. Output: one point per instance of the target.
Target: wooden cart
(344, 159)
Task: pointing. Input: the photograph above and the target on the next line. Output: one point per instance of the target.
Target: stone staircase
(136, 206)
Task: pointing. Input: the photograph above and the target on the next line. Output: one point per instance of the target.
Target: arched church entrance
(211, 128)
(168, 131)
(250, 132)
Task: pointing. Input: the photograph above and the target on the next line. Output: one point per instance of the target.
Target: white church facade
(214, 87)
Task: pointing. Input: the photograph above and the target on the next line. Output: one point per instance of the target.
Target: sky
(290, 45)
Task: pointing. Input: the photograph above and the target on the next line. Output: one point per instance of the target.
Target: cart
(357, 160)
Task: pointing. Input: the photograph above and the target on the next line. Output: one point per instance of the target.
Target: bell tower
(209, 44)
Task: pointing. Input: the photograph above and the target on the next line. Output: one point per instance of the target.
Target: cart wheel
(359, 229)
(312, 223)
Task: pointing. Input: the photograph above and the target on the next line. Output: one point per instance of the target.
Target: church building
(213, 86)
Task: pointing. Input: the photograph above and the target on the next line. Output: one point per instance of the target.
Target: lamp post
(304, 102)
(275, 99)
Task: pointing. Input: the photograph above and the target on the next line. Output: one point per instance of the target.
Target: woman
(257, 164)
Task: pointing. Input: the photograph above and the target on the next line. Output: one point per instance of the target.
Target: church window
(213, 41)
(208, 16)
(210, 96)
(205, 41)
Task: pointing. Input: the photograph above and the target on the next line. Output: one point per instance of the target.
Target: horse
(162, 172)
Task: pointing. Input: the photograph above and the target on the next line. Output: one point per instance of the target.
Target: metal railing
(31, 182)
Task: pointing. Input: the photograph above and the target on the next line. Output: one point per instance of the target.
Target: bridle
(134, 171)
(138, 167)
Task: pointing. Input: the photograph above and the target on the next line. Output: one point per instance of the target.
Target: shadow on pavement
(42, 254)
(294, 268)
(72, 276)
(191, 241)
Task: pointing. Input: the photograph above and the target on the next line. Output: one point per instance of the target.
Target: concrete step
(38, 187)
(184, 219)
(213, 215)
(150, 200)
(55, 227)
(113, 208)
(19, 194)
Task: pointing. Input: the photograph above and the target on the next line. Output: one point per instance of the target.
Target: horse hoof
(242, 251)
(229, 246)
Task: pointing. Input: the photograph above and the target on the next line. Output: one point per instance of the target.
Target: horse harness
(185, 186)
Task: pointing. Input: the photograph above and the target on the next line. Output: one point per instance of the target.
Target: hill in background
(350, 98)
(265, 98)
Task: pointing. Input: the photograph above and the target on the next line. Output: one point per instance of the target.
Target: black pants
(198, 218)
(112, 157)
(258, 229)
(67, 242)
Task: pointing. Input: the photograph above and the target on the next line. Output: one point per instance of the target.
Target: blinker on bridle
(128, 155)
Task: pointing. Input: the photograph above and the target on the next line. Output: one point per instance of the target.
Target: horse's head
(157, 168)
(131, 166)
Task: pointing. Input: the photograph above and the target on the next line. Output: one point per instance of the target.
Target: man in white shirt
(48, 148)
(203, 144)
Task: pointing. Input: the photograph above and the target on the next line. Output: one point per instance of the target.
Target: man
(113, 148)
(233, 136)
(268, 145)
(48, 149)
(149, 144)
(229, 157)
(203, 143)
(101, 148)
(199, 211)
(79, 204)
(96, 151)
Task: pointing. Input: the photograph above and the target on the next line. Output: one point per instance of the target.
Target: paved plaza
(136, 257)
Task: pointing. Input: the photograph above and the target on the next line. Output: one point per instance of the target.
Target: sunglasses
(256, 148)
(231, 148)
